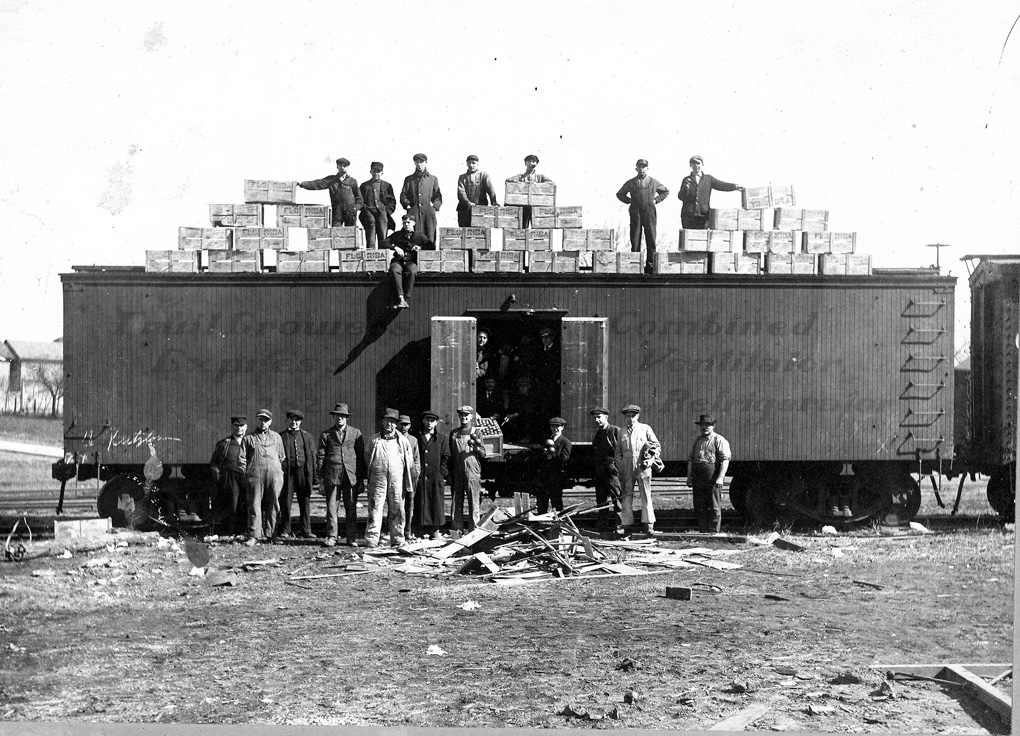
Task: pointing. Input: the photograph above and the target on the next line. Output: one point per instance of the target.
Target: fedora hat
(341, 409)
(705, 419)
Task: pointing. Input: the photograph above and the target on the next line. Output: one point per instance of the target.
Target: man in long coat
(298, 475)
(340, 458)
(430, 494)
(421, 197)
(344, 195)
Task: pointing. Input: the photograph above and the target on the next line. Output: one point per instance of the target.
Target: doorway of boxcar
(518, 369)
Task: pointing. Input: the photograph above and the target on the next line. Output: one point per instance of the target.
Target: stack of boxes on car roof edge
(302, 241)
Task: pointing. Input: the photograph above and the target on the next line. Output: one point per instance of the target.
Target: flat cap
(529, 157)
(295, 414)
(699, 159)
(430, 415)
(407, 218)
(642, 162)
(264, 413)
(705, 419)
(391, 414)
(376, 166)
(342, 410)
(343, 162)
(599, 410)
(420, 157)
(472, 157)
(239, 420)
(466, 409)
(631, 409)
(559, 421)
(546, 331)
(403, 419)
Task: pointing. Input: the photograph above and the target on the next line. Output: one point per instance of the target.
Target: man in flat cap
(340, 458)
(404, 426)
(607, 451)
(227, 468)
(405, 244)
(344, 195)
(640, 449)
(298, 475)
(380, 204)
(530, 164)
(551, 477)
(430, 495)
(420, 197)
(466, 454)
(473, 187)
(547, 368)
(263, 456)
(642, 193)
(696, 194)
(706, 469)
(389, 462)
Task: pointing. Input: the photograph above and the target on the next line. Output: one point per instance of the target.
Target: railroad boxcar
(989, 445)
(830, 389)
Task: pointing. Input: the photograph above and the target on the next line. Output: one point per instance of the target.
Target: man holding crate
(473, 187)
(344, 195)
(642, 193)
(530, 163)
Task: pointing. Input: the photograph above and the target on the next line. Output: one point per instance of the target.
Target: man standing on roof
(640, 449)
(696, 193)
(405, 244)
(344, 195)
(263, 459)
(530, 163)
(643, 193)
(421, 198)
(473, 187)
(706, 468)
(380, 203)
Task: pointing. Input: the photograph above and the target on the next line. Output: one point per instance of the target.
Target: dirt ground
(126, 634)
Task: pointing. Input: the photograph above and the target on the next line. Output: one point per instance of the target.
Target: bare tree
(51, 377)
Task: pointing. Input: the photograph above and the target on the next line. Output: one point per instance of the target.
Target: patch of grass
(33, 430)
(26, 472)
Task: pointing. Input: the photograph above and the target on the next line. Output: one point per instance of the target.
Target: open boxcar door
(452, 382)
(584, 363)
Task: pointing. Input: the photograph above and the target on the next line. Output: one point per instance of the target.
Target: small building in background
(34, 380)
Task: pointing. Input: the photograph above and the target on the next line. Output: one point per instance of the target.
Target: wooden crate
(451, 237)
(270, 192)
(335, 238)
(858, 264)
(605, 261)
(173, 261)
(303, 215)
(235, 215)
(762, 198)
(477, 238)
(234, 261)
(557, 217)
(694, 240)
(540, 261)
(804, 264)
(756, 241)
(628, 262)
(566, 261)
(782, 195)
(377, 259)
(723, 241)
(530, 193)
(842, 242)
(352, 261)
(260, 238)
(789, 218)
(814, 243)
(784, 241)
(722, 262)
(484, 261)
(748, 263)
(287, 262)
(456, 261)
(509, 217)
(496, 217)
(204, 238)
(832, 264)
(430, 261)
(725, 219)
(589, 239)
(510, 261)
(313, 261)
(779, 263)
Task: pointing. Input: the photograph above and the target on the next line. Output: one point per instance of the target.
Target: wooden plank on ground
(456, 545)
(998, 701)
(741, 720)
(981, 669)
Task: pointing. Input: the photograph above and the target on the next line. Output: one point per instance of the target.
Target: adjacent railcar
(831, 390)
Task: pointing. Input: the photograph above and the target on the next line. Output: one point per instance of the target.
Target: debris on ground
(435, 650)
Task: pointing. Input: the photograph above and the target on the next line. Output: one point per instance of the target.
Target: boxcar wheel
(124, 500)
(1002, 491)
(763, 503)
(738, 494)
(901, 495)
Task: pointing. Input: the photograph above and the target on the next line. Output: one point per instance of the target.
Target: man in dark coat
(642, 193)
(607, 452)
(227, 467)
(696, 194)
(421, 198)
(552, 468)
(298, 475)
(405, 244)
(344, 194)
(473, 187)
(380, 203)
(430, 494)
(340, 458)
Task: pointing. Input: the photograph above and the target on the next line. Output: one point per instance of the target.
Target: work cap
(699, 159)
(407, 218)
(295, 414)
(466, 409)
(342, 410)
(420, 157)
(531, 157)
(706, 419)
(404, 419)
(642, 162)
(546, 331)
(376, 166)
(238, 421)
(559, 421)
(430, 415)
(264, 413)
(599, 410)
(343, 162)
(631, 409)
(392, 414)
(472, 157)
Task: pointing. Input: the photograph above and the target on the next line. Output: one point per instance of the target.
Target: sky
(124, 121)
